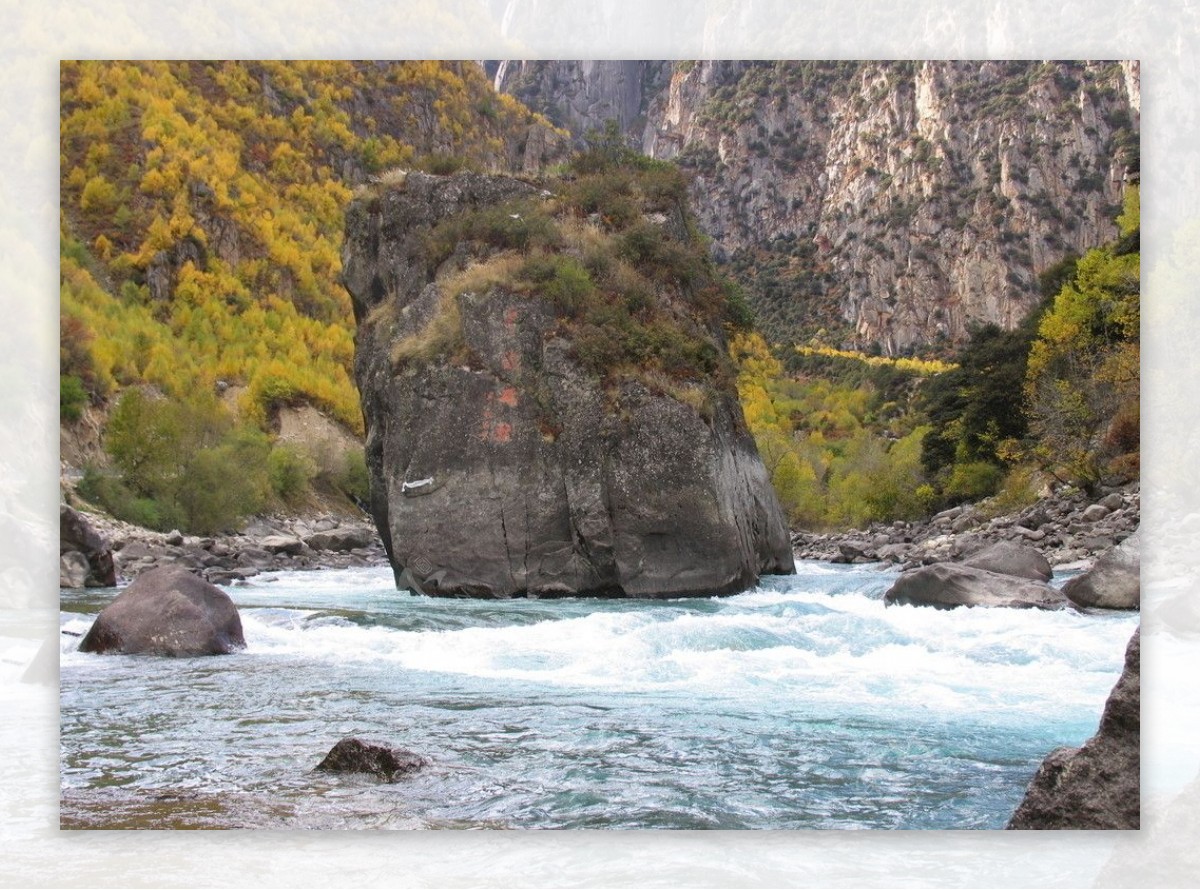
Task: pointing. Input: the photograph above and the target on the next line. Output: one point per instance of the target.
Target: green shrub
(219, 489)
(561, 279)
(291, 472)
(71, 398)
(443, 164)
(108, 491)
(737, 310)
(972, 481)
(354, 480)
(183, 464)
(515, 225)
(610, 194)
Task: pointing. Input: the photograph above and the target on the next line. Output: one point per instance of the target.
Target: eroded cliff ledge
(549, 406)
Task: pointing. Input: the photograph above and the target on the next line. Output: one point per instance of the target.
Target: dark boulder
(167, 611)
(949, 585)
(85, 557)
(500, 463)
(1096, 786)
(1113, 582)
(354, 755)
(1008, 558)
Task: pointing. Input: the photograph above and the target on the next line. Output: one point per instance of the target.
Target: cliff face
(891, 203)
(511, 455)
(581, 96)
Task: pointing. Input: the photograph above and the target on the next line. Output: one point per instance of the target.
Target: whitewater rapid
(802, 703)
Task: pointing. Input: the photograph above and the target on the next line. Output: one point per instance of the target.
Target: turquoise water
(801, 704)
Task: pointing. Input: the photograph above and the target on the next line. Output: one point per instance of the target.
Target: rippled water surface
(802, 704)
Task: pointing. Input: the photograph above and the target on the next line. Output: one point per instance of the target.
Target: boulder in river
(530, 434)
(85, 557)
(1113, 582)
(1008, 558)
(949, 585)
(1098, 785)
(354, 755)
(167, 611)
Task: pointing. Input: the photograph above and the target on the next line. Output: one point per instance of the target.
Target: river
(804, 703)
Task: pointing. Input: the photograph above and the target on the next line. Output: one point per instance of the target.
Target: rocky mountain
(550, 408)
(874, 204)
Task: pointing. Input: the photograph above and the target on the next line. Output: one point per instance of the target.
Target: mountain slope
(202, 209)
(888, 205)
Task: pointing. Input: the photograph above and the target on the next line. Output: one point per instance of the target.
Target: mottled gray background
(1164, 35)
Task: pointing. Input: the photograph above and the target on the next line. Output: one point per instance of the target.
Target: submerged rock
(354, 755)
(949, 585)
(1114, 582)
(501, 463)
(167, 611)
(1097, 786)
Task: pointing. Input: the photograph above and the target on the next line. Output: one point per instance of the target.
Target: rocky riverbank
(271, 543)
(1067, 528)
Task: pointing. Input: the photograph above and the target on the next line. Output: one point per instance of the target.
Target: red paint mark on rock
(508, 396)
(502, 432)
(510, 360)
(510, 316)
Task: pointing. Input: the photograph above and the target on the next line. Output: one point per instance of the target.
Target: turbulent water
(801, 704)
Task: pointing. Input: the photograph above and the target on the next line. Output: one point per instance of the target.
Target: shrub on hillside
(290, 472)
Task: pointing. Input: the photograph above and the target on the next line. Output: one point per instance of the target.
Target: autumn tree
(1083, 377)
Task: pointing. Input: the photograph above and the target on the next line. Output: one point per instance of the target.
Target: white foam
(809, 646)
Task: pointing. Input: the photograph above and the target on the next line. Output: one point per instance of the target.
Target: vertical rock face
(501, 466)
(584, 95)
(910, 199)
(1097, 786)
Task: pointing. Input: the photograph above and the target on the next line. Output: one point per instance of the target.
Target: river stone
(73, 570)
(1114, 582)
(340, 539)
(1095, 513)
(1096, 786)
(508, 469)
(354, 755)
(949, 585)
(1008, 558)
(281, 544)
(167, 611)
(76, 536)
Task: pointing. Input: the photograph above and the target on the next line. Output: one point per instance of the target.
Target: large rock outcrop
(1097, 786)
(167, 611)
(502, 463)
